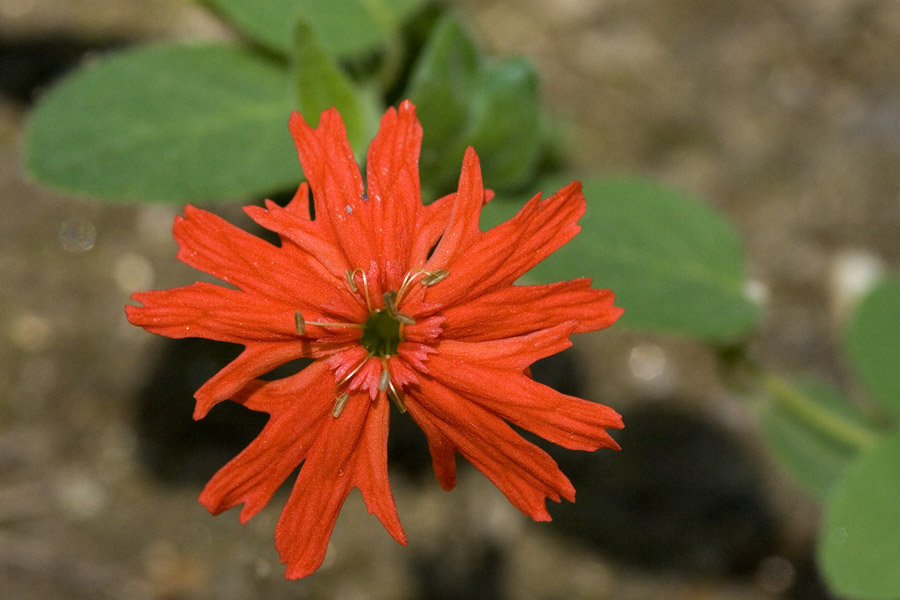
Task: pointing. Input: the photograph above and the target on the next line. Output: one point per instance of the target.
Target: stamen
(385, 378)
(430, 278)
(300, 323)
(434, 277)
(339, 403)
(390, 304)
(407, 280)
(353, 372)
(350, 280)
(396, 397)
(341, 399)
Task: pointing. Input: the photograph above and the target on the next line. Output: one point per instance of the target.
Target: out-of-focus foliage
(860, 542)
(813, 458)
(186, 123)
(173, 123)
(321, 84)
(873, 344)
(346, 27)
(464, 100)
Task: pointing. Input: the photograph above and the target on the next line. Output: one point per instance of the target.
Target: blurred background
(784, 115)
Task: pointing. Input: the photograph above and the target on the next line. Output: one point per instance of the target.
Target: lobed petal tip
(296, 120)
(202, 407)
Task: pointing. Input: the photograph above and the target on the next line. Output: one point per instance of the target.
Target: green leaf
(505, 127)
(346, 27)
(859, 551)
(173, 122)
(321, 84)
(463, 101)
(674, 264)
(873, 343)
(814, 459)
(441, 86)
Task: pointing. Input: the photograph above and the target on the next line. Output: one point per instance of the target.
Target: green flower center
(381, 334)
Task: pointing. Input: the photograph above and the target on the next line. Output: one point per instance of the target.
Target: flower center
(382, 331)
(381, 334)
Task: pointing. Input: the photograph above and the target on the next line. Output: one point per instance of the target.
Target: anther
(434, 277)
(385, 378)
(430, 278)
(339, 403)
(390, 304)
(299, 323)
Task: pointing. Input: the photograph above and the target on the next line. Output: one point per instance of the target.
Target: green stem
(815, 415)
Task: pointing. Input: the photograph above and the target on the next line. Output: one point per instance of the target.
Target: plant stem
(818, 417)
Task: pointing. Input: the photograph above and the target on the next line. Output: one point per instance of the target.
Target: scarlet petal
(443, 452)
(370, 471)
(255, 360)
(522, 471)
(331, 470)
(299, 204)
(501, 255)
(320, 251)
(512, 353)
(264, 326)
(401, 374)
(516, 310)
(213, 312)
(425, 329)
(337, 185)
(393, 187)
(490, 373)
(567, 421)
(253, 476)
(463, 229)
(213, 245)
(431, 222)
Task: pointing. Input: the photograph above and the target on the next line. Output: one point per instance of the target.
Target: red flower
(394, 302)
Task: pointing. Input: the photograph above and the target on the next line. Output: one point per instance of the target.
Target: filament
(350, 281)
(430, 278)
(300, 323)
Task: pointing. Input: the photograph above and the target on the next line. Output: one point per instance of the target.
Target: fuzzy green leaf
(873, 343)
(859, 551)
(505, 124)
(814, 459)
(320, 84)
(463, 101)
(167, 123)
(441, 86)
(346, 27)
